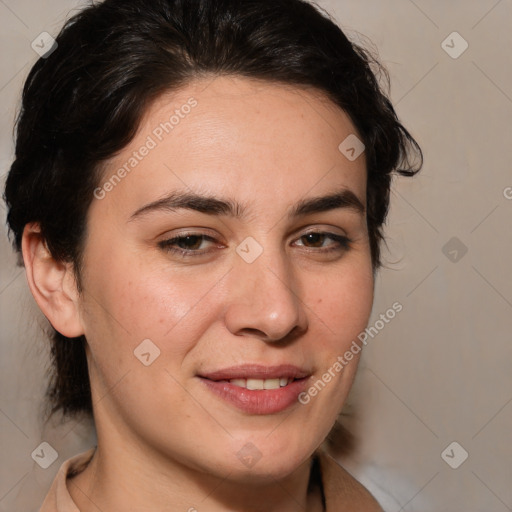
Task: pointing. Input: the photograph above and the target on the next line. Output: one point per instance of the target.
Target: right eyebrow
(192, 201)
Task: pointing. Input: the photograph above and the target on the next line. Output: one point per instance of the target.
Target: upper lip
(256, 371)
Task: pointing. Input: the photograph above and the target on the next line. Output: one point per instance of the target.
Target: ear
(52, 283)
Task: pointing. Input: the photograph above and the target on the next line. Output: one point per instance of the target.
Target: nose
(265, 301)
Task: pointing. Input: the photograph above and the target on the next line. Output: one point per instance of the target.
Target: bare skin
(165, 440)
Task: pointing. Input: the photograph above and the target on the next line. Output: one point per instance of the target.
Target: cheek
(343, 303)
(130, 302)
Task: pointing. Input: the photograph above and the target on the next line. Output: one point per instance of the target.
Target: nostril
(249, 331)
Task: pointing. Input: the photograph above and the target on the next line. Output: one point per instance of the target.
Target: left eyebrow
(343, 199)
(216, 206)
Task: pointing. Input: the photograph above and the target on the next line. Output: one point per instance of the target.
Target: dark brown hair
(83, 103)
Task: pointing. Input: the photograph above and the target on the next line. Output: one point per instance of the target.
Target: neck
(142, 479)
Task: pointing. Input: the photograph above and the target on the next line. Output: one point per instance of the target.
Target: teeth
(271, 383)
(253, 384)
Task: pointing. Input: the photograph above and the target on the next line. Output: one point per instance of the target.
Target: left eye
(317, 240)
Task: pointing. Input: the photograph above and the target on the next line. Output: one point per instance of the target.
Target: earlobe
(52, 283)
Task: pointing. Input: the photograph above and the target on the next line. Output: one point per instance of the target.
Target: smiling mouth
(257, 389)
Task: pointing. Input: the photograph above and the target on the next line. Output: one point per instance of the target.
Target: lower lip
(257, 401)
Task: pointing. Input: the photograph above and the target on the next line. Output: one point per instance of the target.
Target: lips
(257, 389)
(256, 371)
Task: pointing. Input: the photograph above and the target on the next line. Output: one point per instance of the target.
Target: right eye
(187, 244)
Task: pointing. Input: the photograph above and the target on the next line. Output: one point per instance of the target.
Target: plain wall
(440, 371)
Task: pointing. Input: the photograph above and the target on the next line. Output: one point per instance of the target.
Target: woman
(198, 194)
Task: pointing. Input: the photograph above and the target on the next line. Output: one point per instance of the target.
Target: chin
(266, 459)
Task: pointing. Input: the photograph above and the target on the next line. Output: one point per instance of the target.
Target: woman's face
(212, 265)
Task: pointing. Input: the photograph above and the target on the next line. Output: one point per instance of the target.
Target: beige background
(440, 371)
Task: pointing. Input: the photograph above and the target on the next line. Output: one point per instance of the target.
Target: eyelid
(205, 237)
(190, 231)
(320, 228)
(209, 233)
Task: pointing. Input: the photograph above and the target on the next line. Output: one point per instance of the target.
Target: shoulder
(341, 490)
(58, 498)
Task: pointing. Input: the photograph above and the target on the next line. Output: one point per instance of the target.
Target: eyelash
(343, 243)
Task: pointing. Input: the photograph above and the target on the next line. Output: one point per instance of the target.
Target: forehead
(237, 135)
